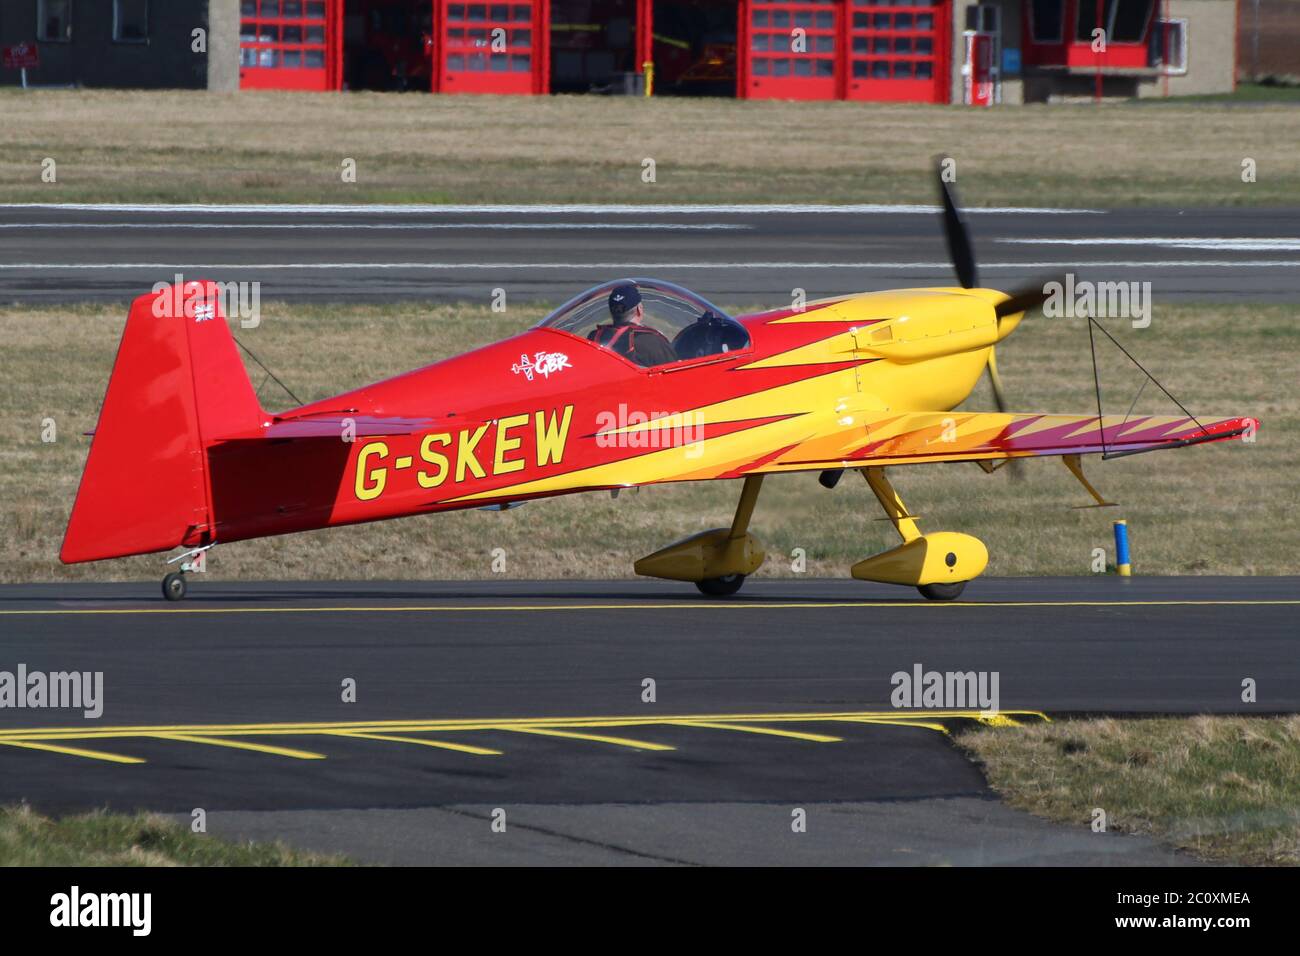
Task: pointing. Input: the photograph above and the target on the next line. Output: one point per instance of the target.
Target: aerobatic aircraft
(633, 382)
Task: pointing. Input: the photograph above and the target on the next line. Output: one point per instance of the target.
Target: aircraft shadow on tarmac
(201, 596)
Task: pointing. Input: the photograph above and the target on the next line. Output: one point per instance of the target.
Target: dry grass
(1220, 509)
(261, 147)
(1224, 788)
(142, 839)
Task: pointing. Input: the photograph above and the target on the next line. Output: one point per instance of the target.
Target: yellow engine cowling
(940, 557)
(709, 554)
(934, 344)
(912, 325)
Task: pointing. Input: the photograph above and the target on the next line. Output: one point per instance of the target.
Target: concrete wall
(91, 58)
(1211, 48)
(223, 45)
(958, 52)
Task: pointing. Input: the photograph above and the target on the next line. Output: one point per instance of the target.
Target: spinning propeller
(962, 254)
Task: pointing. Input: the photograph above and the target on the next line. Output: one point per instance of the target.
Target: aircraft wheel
(173, 586)
(942, 592)
(721, 587)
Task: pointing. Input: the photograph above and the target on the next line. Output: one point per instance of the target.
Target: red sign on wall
(24, 56)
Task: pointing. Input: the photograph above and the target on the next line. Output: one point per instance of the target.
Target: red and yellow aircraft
(184, 454)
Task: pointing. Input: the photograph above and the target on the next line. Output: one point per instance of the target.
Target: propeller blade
(1030, 297)
(958, 237)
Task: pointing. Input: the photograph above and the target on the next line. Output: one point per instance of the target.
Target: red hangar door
(492, 47)
(789, 50)
(845, 49)
(290, 44)
(898, 50)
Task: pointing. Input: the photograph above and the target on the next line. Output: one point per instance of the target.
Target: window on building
(1168, 45)
(1125, 21)
(297, 30)
(887, 43)
(1088, 20)
(1047, 21)
(54, 21)
(1128, 24)
(984, 17)
(131, 21)
(781, 51)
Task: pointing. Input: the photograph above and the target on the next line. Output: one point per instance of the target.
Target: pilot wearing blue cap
(627, 335)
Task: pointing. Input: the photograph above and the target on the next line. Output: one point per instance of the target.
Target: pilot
(626, 334)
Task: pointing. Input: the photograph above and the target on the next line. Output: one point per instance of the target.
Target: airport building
(926, 51)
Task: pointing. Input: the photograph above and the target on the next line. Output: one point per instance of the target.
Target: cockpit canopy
(691, 327)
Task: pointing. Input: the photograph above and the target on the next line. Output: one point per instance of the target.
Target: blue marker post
(1121, 550)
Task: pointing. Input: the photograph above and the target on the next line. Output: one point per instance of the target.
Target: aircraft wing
(915, 437)
(867, 438)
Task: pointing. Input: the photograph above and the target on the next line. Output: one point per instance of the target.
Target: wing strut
(1096, 383)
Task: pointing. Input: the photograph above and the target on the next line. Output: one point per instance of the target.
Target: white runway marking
(638, 267)
(1173, 242)
(619, 209)
(409, 226)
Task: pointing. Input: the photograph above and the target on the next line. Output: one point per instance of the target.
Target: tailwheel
(944, 591)
(173, 586)
(724, 586)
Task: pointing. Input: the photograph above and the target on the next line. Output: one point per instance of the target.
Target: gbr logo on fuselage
(503, 446)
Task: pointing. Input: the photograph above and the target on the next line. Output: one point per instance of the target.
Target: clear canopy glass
(694, 327)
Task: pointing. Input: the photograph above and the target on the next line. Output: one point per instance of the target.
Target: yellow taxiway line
(236, 736)
(598, 738)
(498, 723)
(71, 751)
(720, 725)
(438, 744)
(241, 745)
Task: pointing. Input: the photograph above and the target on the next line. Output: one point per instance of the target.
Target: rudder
(177, 384)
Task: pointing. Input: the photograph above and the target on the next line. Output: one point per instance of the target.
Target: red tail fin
(177, 384)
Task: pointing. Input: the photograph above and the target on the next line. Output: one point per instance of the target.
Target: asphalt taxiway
(531, 699)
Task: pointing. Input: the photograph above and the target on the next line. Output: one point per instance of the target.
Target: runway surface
(734, 254)
(530, 698)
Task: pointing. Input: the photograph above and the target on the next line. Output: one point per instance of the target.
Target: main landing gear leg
(729, 584)
(715, 561)
(937, 564)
